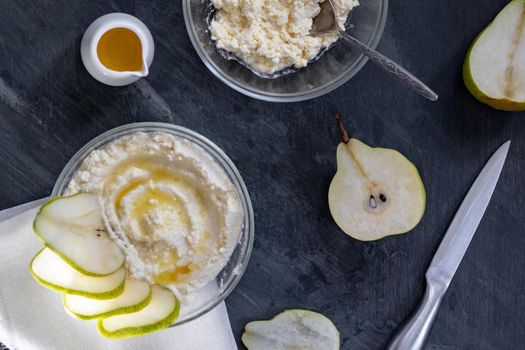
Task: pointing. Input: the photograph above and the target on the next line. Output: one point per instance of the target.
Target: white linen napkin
(32, 317)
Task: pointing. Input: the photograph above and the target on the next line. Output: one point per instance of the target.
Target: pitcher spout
(143, 72)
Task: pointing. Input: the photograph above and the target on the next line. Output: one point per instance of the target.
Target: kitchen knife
(450, 252)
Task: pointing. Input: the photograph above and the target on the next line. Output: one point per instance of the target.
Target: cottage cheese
(167, 204)
(271, 35)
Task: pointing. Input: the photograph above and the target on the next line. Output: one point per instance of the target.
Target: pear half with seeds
(135, 297)
(291, 330)
(494, 70)
(161, 312)
(376, 192)
(53, 272)
(73, 228)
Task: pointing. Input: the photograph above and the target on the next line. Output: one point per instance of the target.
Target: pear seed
(372, 202)
(382, 197)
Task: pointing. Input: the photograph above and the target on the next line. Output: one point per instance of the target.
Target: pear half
(135, 297)
(376, 192)
(73, 228)
(494, 70)
(291, 330)
(53, 272)
(161, 312)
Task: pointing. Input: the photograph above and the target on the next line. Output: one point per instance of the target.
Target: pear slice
(376, 192)
(53, 272)
(161, 312)
(494, 70)
(291, 330)
(73, 228)
(136, 296)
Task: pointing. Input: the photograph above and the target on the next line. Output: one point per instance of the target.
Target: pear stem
(342, 130)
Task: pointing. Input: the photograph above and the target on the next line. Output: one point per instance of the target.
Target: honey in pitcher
(120, 49)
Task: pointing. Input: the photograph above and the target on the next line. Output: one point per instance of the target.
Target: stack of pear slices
(83, 263)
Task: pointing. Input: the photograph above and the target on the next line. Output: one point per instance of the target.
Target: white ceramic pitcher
(88, 48)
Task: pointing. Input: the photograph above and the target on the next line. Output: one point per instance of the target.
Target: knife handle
(415, 332)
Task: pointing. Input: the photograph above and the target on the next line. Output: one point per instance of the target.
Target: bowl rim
(286, 97)
(247, 233)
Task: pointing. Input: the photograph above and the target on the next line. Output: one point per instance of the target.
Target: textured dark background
(50, 107)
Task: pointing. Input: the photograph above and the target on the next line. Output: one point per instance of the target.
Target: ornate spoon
(326, 22)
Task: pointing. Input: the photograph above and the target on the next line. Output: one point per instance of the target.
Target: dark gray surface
(50, 107)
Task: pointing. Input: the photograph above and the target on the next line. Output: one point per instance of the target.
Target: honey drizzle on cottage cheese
(167, 204)
(271, 35)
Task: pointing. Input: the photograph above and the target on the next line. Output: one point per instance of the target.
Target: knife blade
(450, 253)
(466, 221)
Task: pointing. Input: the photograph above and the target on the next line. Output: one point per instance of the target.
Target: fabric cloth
(32, 317)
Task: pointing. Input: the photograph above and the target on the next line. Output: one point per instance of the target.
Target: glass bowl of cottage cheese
(176, 206)
(263, 49)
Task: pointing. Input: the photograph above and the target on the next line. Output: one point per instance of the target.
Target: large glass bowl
(334, 68)
(217, 290)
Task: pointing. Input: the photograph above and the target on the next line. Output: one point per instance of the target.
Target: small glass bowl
(218, 289)
(335, 67)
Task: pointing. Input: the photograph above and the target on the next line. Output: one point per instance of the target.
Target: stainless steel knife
(450, 252)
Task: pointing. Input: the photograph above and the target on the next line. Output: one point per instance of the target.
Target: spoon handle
(393, 68)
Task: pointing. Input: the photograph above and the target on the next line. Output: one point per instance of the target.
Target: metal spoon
(326, 22)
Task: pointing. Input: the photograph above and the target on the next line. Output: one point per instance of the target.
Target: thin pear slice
(494, 70)
(53, 272)
(376, 192)
(291, 330)
(73, 228)
(162, 311)
(136, 296)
